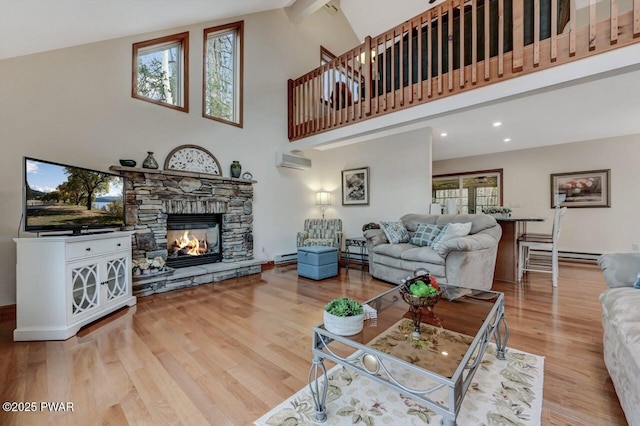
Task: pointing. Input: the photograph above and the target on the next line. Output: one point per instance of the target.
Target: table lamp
(323, 199)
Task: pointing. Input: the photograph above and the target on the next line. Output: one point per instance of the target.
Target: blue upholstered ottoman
(317, 262)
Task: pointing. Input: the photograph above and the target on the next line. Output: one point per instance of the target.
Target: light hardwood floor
(226, 353)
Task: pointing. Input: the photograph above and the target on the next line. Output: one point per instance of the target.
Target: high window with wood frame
(161, 71)
(223, 73)
(453, 47)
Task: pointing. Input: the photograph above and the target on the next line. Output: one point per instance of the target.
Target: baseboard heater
(576, 256)
(281, 259)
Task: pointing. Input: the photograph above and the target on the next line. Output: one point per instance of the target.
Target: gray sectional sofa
(621, 325)
(468, 261)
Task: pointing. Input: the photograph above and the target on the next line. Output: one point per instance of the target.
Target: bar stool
(539, 252)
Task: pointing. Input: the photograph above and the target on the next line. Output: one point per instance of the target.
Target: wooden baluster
(554, 30)
(318, 98)
(401, 64)
(345, 98)
(474, 41)
(385, 77)
(450, 44)
(354, 74)
(518, 35)
(461, 69)
(312, 102)
(393, 69)
(343, 93)
(592, 24)
(500, 38)
(332, 94)
(410, 61)
(572, 27)
(487, 40)
(614, 22)
(439, 49)
(366, 72)
(536, 33)
(636, 18)
(420, 57)
(429, 53)
(378, 75)
(290, 113)
(305, 104)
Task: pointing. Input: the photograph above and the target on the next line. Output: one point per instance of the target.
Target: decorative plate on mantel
(192, 158)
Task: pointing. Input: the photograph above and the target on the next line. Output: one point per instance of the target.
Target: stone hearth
(153, 194)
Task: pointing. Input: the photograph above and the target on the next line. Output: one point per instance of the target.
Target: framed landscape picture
(581, 189)
(355, 187)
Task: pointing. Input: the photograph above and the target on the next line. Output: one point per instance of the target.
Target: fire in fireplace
(193, 239)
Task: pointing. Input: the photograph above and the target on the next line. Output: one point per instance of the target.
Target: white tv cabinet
(66, 282)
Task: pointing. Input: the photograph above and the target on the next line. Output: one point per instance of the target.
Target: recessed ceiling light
(444, 134)
(506, 140)
(497, 124)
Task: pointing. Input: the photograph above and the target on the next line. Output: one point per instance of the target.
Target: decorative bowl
(128, 163)
(420, 301)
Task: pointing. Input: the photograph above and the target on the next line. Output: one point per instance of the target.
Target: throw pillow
(450, 231)
(637, 283)
(425, 234)
(395, 232)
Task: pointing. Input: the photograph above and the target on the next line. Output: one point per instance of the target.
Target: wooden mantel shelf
(179, 173)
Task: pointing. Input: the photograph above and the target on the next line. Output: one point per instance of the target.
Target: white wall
(399, 179)
(527, 183)
(74, 106)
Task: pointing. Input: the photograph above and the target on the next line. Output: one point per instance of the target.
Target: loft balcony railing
(454, 47)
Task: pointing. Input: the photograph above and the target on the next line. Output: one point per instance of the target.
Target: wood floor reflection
(226, 353)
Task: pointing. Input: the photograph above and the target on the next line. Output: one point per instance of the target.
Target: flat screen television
(60, 197)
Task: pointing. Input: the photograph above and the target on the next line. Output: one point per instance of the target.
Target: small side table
(359, 242)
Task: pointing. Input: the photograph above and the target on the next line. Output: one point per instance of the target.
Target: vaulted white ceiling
(592, 109)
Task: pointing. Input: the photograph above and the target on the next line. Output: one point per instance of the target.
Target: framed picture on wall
(581, 189)
(355, 187)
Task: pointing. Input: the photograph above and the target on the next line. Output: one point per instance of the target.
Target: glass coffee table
(434, 367)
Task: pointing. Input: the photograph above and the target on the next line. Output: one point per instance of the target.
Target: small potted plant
(344, 316)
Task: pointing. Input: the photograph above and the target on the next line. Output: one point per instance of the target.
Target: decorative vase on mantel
(150, 162)
(236, 169)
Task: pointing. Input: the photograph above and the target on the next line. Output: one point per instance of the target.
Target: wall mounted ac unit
(284, 159)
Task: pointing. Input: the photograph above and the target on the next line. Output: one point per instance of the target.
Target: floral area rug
(505, 393)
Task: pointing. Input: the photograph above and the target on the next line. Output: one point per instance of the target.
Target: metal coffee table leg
(501, 342)
(319, 391)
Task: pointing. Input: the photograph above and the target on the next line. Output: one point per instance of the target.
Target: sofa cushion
(451, 230)
(412, 220)
(479, 222)
(393, 250)
(425, 234)
(422, 254)
(395, 232)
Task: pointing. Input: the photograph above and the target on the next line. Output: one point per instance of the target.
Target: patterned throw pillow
(425, 234)
(450, 231)
(395, 232)
(637, 283)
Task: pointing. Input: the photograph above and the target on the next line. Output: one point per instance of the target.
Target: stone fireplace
(216, 212)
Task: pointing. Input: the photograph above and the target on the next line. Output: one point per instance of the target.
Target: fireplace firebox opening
(193, 239)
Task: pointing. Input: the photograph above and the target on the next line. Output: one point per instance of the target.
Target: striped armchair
(321, 232)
